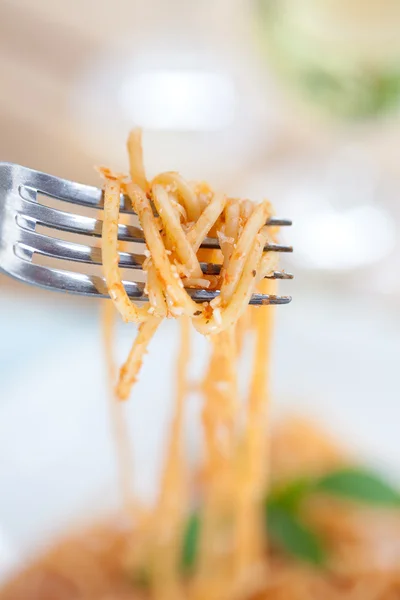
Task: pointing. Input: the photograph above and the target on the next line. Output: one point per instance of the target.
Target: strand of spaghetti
(194, 282)
(131, 367)
(121, 434)
(169, 242)
(169, 276)
(135, 152)
(174, 231)
(251, 481)
(242, 327)
(208, 217)
(229, 315)
(171, 503)
(158, 304)
(156, 293)
(170, 179)
(246, 210)
(232, 212)
(258, 399)
(238, 257)
(274, 230)
(226, 374)
(229, 236)
(178, 208)
(109, 249)
(219, 419)
(221, 392)
(269, 264)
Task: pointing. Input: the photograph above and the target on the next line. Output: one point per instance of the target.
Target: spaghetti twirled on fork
(187, 213)
(176, 216)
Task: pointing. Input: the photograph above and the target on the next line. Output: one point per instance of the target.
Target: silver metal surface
(21, 214)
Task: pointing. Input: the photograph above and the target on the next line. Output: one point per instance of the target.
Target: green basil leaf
(291, 535)
(290, 494)
(190, 542)
(359, 484)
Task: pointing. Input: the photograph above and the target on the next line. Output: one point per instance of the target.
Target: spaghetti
(147, 553)
(185, 214)
(176, 216)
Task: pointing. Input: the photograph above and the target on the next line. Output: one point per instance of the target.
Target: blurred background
(294, 100)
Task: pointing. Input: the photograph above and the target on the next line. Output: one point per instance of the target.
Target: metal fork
(21, 213)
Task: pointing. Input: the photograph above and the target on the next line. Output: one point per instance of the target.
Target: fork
(21, 213)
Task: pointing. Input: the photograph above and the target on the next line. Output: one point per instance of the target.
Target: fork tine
(277, 222)
(69, 191)
(90, 285)
(42, 244)
(33, 213)
(215, 269)
(30, 242)
(213, 244)
(256, 299)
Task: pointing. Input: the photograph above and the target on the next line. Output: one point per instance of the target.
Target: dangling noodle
(170, 511)
(119, 425)
(251, 479)
(214, 575)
